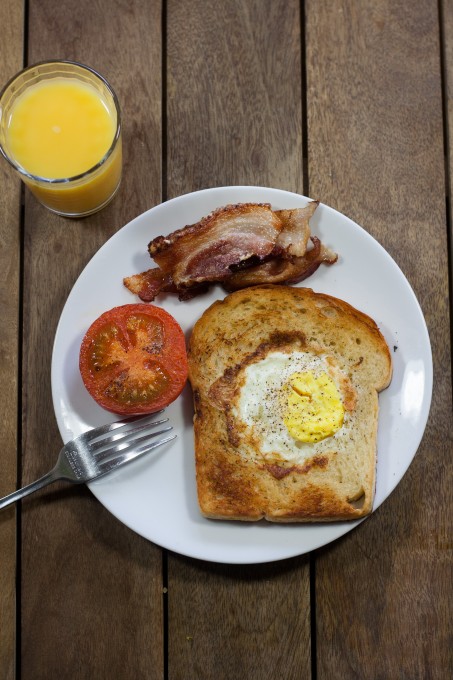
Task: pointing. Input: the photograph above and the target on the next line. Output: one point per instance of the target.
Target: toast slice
(242, 471)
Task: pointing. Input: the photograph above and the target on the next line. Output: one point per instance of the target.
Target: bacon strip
(149, 284)
(237, 246)
(205, 251)
(293, 238)
(279, 270)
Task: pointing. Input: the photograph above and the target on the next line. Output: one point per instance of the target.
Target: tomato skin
(133, 359)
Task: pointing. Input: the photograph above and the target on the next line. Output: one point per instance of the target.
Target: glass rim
(105, 157)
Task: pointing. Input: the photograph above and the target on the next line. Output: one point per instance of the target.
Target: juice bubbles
(60, 129)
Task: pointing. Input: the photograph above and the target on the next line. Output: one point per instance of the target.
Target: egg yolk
(314, 407)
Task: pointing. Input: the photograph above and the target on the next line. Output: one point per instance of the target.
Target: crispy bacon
(281, 270)
(237, 246)
(293, 238)
(205, 251)
(149, 284)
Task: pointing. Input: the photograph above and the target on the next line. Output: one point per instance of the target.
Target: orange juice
(59, 128)
(62, 133)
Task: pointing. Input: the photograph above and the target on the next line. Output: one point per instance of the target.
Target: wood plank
(228, 621)
(384, 593)
(230, 71)
(11, 56)
(91, 588)
(446, 27)
(234, 117)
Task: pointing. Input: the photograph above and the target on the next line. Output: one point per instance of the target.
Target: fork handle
(50, 477)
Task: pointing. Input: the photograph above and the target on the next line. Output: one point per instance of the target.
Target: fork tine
(123, 426)
(131, 444)
(119, 435)
(113, 463)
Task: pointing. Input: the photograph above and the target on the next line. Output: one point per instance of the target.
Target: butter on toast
(255, 469)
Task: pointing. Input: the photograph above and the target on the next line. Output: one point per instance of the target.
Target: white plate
(156, 496)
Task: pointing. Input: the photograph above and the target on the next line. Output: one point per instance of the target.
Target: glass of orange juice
(60, 129)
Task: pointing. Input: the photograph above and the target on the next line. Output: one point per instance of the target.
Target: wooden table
(343, 100)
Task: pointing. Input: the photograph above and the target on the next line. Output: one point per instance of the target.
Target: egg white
(261, 410)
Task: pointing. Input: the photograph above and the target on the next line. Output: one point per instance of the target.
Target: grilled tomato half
(133, 359)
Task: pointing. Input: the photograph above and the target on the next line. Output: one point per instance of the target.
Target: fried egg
(292, 406)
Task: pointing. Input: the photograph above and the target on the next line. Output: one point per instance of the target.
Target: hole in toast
(325, 309)
(328, 312)
(358, 502)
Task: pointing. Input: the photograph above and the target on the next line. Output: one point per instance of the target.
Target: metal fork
(99, 451)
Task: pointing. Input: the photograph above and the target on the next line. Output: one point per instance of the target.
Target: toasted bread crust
(336, 485)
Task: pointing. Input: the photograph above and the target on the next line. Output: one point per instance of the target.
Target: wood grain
(239, 622)
(234, 116)
(91, 591)
(234, 94)
(376, 153)
(446, 27)
(91, 588)
(11, 56)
